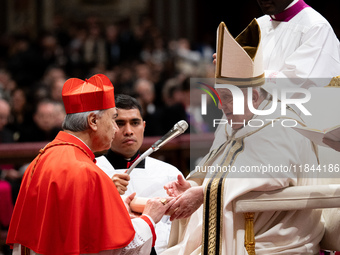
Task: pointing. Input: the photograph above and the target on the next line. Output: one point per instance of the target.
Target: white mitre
(239, 60)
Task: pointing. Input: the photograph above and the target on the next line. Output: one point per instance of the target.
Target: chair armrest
(299, 198)
(290, 198)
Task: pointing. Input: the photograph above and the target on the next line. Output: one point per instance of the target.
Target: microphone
(178, 128)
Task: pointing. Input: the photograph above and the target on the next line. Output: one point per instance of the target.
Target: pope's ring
(163, 201)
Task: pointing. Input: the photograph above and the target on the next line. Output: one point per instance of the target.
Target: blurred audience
(8, 172)
(56, 89)
(139, 60)
(49, 85)
(7, 84)
(21, 112)
(6, 210)
(6, 135)
(59, 114)
(44, 126)
(24, 61)
(113, 46)
(145, 94)
(95, 48)
(6, 201)
(177, 101)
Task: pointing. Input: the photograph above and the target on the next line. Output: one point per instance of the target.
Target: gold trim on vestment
(214, 192)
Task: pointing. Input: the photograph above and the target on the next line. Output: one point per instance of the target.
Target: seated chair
(294, 198)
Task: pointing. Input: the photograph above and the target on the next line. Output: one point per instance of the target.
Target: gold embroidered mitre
(239, 60)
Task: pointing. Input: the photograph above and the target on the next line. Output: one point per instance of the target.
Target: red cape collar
(66, 137)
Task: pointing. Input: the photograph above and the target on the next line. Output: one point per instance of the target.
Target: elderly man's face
(236, 121)
(107, 128)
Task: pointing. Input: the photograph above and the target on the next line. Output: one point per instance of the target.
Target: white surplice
(304, 47)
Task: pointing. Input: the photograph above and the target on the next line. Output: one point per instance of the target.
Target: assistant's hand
(156, 207)
(175, 188)
(214, 57)
(187, 203)
(331, 143)
(121, 182)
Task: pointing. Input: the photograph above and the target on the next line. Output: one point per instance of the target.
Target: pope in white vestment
(258, 153)
(278, 147)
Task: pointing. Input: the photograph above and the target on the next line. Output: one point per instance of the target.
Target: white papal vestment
(293, 232)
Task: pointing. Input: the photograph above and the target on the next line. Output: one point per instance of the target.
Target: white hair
(77, 122)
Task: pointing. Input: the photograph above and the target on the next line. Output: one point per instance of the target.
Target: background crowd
(140, 61)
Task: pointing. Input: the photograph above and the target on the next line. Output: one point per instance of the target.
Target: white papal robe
(148, 182)
(293, 232)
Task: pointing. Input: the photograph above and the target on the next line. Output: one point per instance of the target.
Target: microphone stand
(143, 156)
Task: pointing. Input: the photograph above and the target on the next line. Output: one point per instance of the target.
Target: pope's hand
(214, 58)
(156, 207)
(187, 203)
(174, 189)
(121, 182)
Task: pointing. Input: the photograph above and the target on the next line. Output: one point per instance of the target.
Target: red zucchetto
(96, 93)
